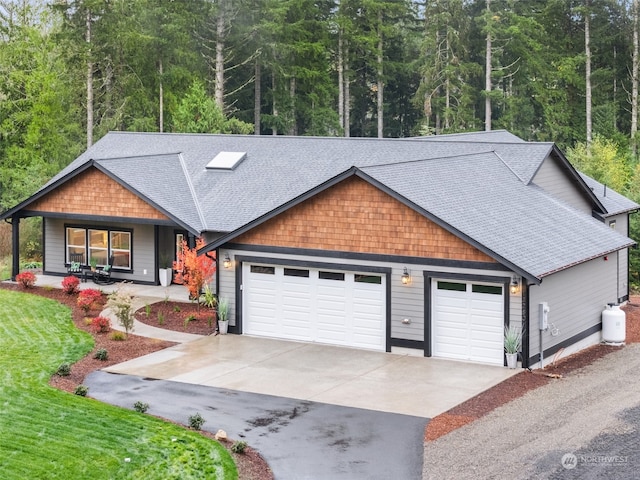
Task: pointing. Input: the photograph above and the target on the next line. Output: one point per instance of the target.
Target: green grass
(46, 433)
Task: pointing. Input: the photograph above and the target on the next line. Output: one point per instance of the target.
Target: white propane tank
(613, 324)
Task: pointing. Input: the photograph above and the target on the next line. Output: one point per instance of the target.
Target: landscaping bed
(250, 464)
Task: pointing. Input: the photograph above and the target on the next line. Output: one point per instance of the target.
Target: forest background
(548, 70)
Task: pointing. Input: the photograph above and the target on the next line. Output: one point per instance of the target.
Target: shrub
(64, 370)
(101, 325)
(118, 336)
(81, 390)
(70, 285)
(26, 279)
(120, 302)
(196, 421)
(239, 446)
(140, 406)
(160, 318)
(188, 318)
(88, 298)
(101, 354)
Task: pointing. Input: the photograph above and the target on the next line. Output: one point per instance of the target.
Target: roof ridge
(509, 167)
(192, 190)
(169, 154)
(403, 162)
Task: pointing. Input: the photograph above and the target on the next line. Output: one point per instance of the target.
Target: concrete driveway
(394, 383)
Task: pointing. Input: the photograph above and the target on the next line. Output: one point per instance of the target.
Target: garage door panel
(325, 306)
(468, 321)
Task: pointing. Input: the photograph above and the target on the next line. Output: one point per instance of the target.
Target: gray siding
(227, 284)
(142, 255)
(576, 299)
(554, 179)
(622, 256)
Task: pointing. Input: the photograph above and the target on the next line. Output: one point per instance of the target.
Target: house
(432, 244)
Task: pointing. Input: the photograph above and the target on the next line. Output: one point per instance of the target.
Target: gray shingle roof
(478, 184)
(610, 199)
(481, 198)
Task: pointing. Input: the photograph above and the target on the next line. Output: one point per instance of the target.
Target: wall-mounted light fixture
(406, 277)
(515, 286)
(226, 263)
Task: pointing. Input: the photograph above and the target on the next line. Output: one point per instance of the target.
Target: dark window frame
(109, 231)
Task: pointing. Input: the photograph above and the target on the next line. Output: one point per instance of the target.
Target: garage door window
(264, 270)
(490, 289)
(296, 272)
(458, 287)
(331, 276)
(360, 278)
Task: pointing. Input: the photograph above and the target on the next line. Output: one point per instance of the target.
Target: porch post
(15, 246)
(191, 241)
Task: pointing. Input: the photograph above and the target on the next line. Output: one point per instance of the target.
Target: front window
(76, 245)
(91, 244)
(98, 247)
(121, 249)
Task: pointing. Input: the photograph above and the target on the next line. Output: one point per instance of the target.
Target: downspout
(525, 325)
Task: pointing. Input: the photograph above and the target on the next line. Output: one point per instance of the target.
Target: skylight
(226, 160)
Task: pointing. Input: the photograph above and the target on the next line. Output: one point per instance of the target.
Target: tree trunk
(274, 130)
(160, 99)
(89, 82)
(487, 75)
(293, 128)
(220, 34)
(340, 80)
(347, 97)
(634, 82)
(257, 103)
(380, 82)
(587, 51)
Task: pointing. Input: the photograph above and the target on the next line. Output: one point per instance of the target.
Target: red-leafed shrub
(101, 325)
(70, 285)
(26, 279)
(88, 298)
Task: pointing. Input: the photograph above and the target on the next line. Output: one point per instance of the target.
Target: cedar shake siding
(355, 216)
(92, 193)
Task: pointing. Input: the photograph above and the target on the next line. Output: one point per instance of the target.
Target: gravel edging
(527, 437)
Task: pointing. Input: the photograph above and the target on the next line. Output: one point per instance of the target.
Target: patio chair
(102, 276)
(75, 265)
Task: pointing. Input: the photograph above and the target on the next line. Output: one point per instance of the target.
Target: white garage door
(468, 321)
(315, 305)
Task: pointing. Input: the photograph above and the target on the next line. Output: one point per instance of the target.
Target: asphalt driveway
(300, 439)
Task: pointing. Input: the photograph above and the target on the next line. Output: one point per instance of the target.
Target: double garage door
(468, 321)
(315, 305)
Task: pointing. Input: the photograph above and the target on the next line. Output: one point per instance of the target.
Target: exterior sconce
(515, 286)
(226, 263)
(406, 277)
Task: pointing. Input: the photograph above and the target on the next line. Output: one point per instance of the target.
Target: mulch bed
(178, 316)
(251, 466)
(525, 381)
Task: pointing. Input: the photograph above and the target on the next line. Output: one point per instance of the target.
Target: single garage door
(468, 321)
(315, 305)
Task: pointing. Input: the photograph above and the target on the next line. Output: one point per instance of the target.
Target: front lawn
(46, 433)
